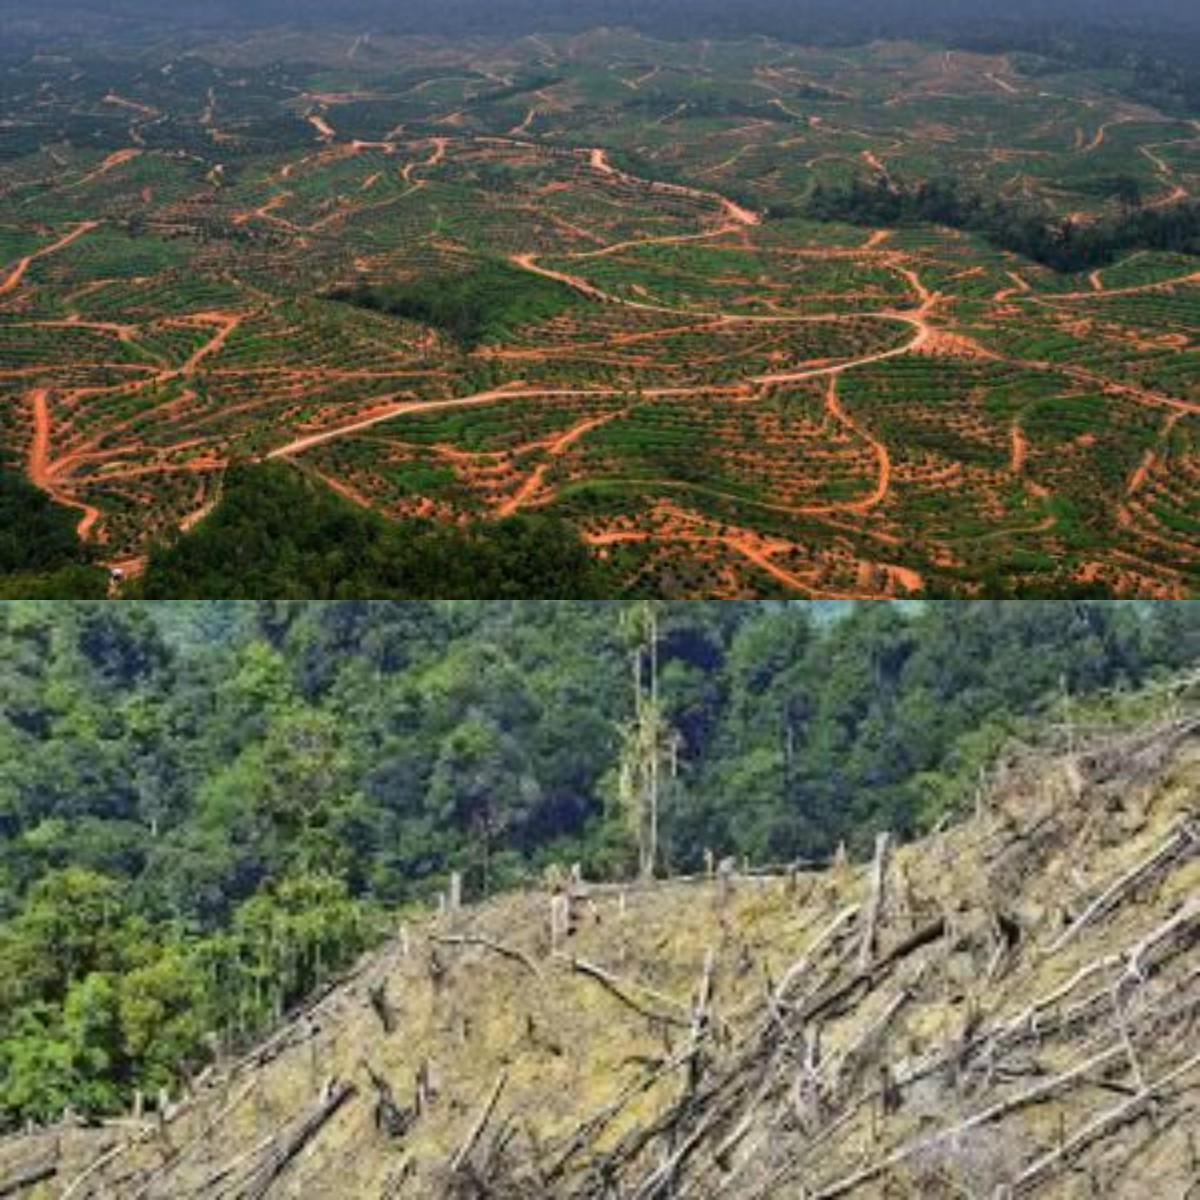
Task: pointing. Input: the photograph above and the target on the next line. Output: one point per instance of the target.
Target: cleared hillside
(1011, 1006)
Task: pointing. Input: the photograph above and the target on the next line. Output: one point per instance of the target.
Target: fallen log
(1106, 1123)
(1185, 840)
(477, 1130)
(297, 1139)
(30, 1177)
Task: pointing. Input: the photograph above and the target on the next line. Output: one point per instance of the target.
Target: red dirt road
(15, 276)
(560, 445)
(38, 465)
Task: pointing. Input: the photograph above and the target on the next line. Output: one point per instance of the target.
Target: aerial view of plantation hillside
(677, 310)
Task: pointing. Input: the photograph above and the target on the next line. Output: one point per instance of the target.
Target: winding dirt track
(530, 488)
(505, 392)
(227, 322)
(11, 282)
(39, 469)
(1133, 290)
(516, 392)
(880, 491)
(598, 159)
(1020, 448)
(734, 217)
(723, 217)
(113, 161)
(1150, 458)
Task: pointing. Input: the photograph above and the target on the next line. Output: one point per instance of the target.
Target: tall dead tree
(650, 742)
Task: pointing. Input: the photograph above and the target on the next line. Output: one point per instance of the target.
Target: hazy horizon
(867, 17)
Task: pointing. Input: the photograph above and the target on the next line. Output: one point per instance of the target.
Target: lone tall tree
(648, 737)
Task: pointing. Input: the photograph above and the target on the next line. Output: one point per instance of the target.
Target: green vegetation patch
(278, 534)
(40, 554)
(477, 306)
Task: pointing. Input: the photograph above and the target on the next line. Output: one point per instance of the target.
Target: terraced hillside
(1007, 1008)
(235, 252)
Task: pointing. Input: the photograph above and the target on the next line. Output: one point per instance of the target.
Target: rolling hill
(1010, 1006)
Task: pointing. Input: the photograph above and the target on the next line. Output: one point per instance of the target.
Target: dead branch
(278, 1161)
(594, 1126)
(861, 1049)
(803, 965)
(207, 1188)
(620, 990)
(97, 1165)
(832, 1000)
(481, 1123)
(475, 939)
(1185, 839)
(986, 1116)
(201, 1138)
(1132, 958)
(1101, 1126)
(1101, 1062)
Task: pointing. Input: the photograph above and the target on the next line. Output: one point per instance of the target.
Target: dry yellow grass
(852, 1084)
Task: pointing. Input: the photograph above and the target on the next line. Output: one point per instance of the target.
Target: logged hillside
(1012, 1003)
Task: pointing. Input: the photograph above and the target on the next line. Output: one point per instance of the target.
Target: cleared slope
(1013, 1004)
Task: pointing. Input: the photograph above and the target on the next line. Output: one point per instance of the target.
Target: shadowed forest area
(1062, 247)
(209, 809)
(278, 535)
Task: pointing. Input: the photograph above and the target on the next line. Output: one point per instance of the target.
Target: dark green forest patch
(473, 307)
(41, 556)
(279, 534)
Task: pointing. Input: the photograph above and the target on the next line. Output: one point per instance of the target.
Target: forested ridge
(1064, 245)
(277, 534)
(208, 809)
(40, 553)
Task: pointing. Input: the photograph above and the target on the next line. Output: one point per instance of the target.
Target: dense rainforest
(41, 556)
(206, 809)
(1063, 245)
(278, 534)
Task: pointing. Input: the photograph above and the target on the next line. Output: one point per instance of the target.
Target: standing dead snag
(382, 1006)
(875, 903)
(649, 740)
(425, 1087)
(390, 1118)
